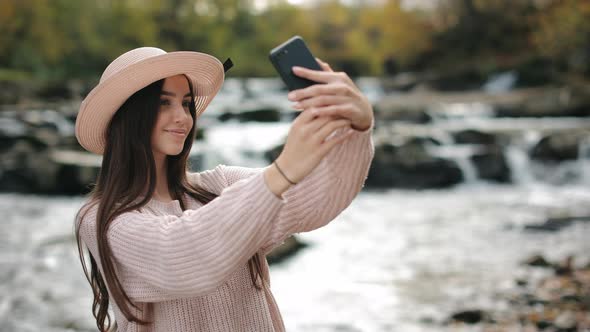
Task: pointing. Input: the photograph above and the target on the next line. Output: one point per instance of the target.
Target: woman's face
(174, 120)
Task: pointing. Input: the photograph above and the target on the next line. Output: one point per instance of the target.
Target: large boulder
(568, 101)
(472, 136)
(491, 165)
(287, 249)
(409, 166)
(410, 115)
(24, 166)
(261, 114)
(557, 147)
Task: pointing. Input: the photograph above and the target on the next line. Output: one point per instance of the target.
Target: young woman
(177, 251)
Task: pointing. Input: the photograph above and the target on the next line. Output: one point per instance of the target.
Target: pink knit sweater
(188, 269)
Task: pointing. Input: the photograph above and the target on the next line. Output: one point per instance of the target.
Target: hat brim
(205, 72)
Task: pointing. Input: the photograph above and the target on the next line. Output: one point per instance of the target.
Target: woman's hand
(307, 143)
(338, 96)
(335, 104)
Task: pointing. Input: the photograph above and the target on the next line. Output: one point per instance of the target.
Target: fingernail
(297, 68)
(291, 95)
(297, 105)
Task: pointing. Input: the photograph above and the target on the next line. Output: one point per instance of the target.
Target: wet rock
(471, 136)
(556, 224)
(75, 171)
(201, 134)
(419, 116)
(543, 324)
(568, 101)
(421, 140)
(20, 181)
(491, 165)
(55, 91)
(9, 93)
(565, 267)
(291, 246)
(226, 116)
(68, 179)
(566, 322)
(532, 300)
(537, 260)
(469, 316)
(273, 153)
(557, 147)
(530, 75)
(559, 302)
(458, 80)
(410, 166)
(571, 298)
(260, 115)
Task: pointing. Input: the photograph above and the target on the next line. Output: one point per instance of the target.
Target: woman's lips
(177, 133)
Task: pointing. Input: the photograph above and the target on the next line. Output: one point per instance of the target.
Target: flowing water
(395, 260)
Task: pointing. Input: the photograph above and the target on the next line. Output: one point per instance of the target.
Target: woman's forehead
(177, 84)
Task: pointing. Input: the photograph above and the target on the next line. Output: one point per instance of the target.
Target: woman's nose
(180, 114)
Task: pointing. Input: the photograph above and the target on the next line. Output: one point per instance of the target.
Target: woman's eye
(164, 102)
(186, 103)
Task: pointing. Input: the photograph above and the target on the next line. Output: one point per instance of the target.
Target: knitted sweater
(188, 269)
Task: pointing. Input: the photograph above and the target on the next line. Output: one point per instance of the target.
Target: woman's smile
(177, 133)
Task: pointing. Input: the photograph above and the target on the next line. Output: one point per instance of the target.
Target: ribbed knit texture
(188, 270)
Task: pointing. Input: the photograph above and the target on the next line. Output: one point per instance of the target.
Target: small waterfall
(461, 154)
(518, 159)
(467, 168)
(519, 164)
(447, 116)
(500, 83)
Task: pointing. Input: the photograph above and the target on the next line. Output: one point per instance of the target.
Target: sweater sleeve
(324, 193)
(169, 257)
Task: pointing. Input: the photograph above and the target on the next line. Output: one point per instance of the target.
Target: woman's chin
(173, 150)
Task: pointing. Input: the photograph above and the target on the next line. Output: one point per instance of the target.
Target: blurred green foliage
(65, 39)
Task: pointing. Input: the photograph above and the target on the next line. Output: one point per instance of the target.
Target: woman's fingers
(306, 116)
(337, 89)
(317, 123)
(320, 76)
(336, 111)
(325, 66)
(329, 144)
(327, 129)
(319, 101)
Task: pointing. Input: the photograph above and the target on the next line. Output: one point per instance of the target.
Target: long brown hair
(127, 164)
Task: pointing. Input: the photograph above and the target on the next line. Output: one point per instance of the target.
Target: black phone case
(291, 53)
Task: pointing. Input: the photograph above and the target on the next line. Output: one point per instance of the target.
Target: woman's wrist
(275, 181)
(364, 126)
(283, 173)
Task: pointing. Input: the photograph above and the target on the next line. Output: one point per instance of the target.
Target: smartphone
(291, 53)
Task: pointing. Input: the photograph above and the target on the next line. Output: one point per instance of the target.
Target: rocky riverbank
(557, 302)
(547, 296)
(422, 139)
(425, 139)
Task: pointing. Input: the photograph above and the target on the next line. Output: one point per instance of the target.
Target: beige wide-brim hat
(131, 72)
